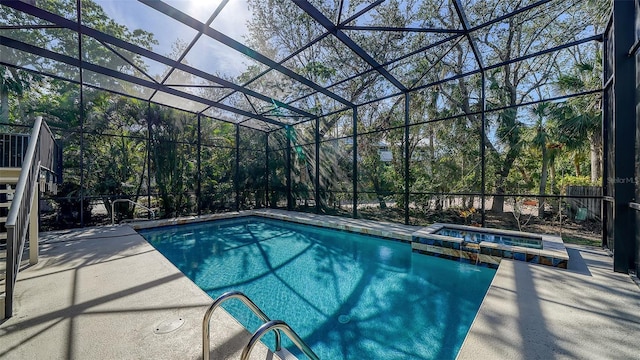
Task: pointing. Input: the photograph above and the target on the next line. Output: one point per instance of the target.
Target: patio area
(539, 312)
(390, 116)
(102, 293)
(105, 293)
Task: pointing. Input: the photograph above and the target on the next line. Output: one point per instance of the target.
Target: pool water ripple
(349, 296)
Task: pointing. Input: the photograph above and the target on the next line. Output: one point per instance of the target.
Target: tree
(117, 167)
(251, 173)
(278, 30)
(543, 142)
(579, 118)
(16, 83)
(173, 158)
(515, 82)
(110, 168)
(217, 161)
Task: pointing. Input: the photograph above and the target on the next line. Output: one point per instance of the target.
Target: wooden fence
(578, 206)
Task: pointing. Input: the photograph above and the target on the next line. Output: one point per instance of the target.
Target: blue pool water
(349, 296)
(477, 236)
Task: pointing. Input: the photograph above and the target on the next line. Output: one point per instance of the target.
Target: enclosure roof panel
(282, 62)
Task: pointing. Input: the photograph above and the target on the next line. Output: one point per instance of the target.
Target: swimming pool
(349, 296)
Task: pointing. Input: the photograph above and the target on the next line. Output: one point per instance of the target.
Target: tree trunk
(552, 176)
(498, 199)
(576, 164)
(543, 182)
(141, 177)
(107, 205)
(432, 150)
(380, 196)
(4, 103)
(595, 147)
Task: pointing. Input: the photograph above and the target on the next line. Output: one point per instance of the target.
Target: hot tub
(486, 246)
(534, 242)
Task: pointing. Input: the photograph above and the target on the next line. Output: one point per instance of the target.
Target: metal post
(199, 166)
(81, 112)
(288, 159)
(605, 121)
(483, 160)
(149, 154)
(266, 172)
(33, 225)
(635, 263)
(10, 280)
(624, 135)
(406, 158)
(317, 169)
(236, 173)
(355, 162)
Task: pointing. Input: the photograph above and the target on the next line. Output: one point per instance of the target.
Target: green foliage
(118, 165)
(572, 180)
(173, 159)
(217, 159)
(251, 172)
(525, 146)
(316, 69)
(14, 82)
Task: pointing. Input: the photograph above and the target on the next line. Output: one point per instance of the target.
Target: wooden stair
(8, 181)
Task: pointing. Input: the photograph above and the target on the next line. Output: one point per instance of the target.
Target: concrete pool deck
(538, 312)
(99, 293)
(102, 293)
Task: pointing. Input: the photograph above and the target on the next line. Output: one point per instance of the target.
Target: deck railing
(41, 153)
(13, 147)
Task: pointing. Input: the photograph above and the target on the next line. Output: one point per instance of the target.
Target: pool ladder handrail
(275, 325)
(113, 208)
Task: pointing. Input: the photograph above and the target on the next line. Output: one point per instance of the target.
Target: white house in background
(385, 152)
(386, 155)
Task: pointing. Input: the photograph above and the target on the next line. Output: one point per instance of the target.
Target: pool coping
(490, 254)
(380, 229)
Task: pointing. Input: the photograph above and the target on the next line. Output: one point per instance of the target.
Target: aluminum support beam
(624, 87)
(355, 162)
(407, 98)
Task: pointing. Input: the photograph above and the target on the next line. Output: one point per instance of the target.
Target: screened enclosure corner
(486, 113)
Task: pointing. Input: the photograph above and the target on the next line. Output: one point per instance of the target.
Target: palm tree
(545, 140)
(579, 118)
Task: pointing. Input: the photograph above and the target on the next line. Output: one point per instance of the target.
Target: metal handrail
(278, 325)
(206, 346)
(39, 154)
(113, 214)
